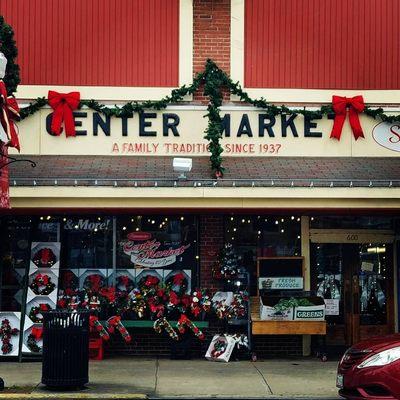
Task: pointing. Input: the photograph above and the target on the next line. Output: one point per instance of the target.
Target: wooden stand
(261, 327)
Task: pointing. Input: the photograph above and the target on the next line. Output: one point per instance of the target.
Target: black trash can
(65, 349)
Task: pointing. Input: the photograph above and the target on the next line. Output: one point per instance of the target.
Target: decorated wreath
(93, 283)
(220, 347)
(44, 258)
(34, 337)
(148, 284)
(6, 332)
(35, 313)
(70, 283)
(177, 282)
(42, 285)
(124, 283)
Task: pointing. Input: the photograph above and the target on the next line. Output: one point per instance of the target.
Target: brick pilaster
(211, 241)
(211, 36)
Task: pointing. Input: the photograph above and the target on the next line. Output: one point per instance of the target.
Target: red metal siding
(96, 42)
(322, 44)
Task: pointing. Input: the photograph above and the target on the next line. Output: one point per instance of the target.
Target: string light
(276, 222)
(282, 230)
(124, 228)
(182, 218)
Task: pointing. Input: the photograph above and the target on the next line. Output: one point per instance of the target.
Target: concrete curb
(72, 396)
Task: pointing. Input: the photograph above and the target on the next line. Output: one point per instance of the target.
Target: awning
(127, 171)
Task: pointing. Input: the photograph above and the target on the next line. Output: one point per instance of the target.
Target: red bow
(37, 332)
(63, 105)
(340, 104)
(9, 114)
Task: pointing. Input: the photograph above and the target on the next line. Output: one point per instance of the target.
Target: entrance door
(357, 280)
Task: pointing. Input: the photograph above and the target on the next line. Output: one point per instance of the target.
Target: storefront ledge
(106, 197)
(72, 396)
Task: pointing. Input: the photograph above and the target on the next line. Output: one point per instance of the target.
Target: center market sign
(179, 131)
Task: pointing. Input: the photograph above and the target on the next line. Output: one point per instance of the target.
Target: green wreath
(35, 311)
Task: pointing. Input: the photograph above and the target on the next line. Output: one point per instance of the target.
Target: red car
(371, 369)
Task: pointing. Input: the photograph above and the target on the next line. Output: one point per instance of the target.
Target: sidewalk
(123, 378)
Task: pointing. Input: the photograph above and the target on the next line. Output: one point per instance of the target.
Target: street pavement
(124, 378)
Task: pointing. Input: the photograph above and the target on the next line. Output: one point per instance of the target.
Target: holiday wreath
(35, 313)
(42, 285)
(44, 258)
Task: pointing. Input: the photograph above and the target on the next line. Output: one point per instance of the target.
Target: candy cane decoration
(162, 323)
(115, 323)
(96, 326)
(184, 322)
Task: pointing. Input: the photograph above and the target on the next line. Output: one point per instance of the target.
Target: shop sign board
(280, 283)
(149, 253)
(179, 131)
(351, 236)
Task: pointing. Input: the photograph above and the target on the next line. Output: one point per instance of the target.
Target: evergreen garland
(213, 79)
(9, 48)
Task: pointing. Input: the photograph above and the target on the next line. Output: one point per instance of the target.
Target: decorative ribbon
(355, 105)
(63, 105)
(9, 113)
(37, 332)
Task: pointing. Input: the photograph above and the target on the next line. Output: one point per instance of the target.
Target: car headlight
(383, 358)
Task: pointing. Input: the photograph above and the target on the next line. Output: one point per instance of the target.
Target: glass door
(356, 280)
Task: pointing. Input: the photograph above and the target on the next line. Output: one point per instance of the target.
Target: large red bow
(340, 104)
(63, 105)
(9, 114)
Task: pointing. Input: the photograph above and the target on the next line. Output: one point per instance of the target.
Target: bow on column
(63, 105)
(8, 114)
(355, 105)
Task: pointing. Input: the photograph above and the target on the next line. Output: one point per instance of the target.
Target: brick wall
(211, 35)
(211, 241)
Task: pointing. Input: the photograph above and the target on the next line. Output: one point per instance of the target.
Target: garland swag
(212, 79)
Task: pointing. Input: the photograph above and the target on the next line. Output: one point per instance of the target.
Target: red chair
(96, 351)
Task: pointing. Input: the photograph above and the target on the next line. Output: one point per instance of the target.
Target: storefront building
(290, 193)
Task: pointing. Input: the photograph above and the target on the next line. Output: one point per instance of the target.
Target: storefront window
(14, 260)
(92, 248)
(263, 236)
(166, 244)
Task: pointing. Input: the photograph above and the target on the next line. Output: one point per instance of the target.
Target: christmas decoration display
(6, 331)
(93, 283)
(35, 313)
(69, 282)
(200, 301)
(162, 324)
(177, 282)
(42, 285)
(340, 105)
(96, 326)
(114, 323)
(184, 322)
(44, 258)
(33, 338)
(63, 105)
(228, 265)
(124, 283)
